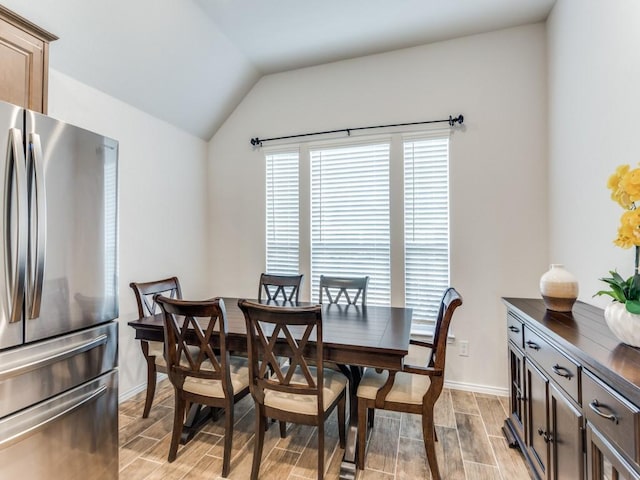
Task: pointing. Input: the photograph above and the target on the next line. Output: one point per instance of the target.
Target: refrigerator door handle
(35, 272)
(15, 265)
(51, 359)
(55, 415)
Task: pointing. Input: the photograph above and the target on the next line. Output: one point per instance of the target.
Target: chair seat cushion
(239, 369)
(407, 388)
(157, 349)
(334, 384)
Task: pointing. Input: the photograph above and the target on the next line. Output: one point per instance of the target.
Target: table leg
(348, 466)
(198, 415)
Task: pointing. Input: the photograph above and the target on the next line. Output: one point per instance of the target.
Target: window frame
(396, 141)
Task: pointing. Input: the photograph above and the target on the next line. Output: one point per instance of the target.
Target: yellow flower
(630, 183)
(629, 230)
(615, 184)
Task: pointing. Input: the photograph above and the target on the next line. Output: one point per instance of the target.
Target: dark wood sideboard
(574, 393)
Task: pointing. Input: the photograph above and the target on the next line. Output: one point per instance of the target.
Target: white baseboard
(471, 387)
(123, 396)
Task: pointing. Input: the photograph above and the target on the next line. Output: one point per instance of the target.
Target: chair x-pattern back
(297, 392)
(199, 373)
(285, 288)
(351, 289)
(153, 351)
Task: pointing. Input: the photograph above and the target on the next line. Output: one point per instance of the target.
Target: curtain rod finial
(256, 142)
(453, 120)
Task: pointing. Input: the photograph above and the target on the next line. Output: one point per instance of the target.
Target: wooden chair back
(351, 289)
(146, 291)
(451, 300)
(276, 330)
(196, 323)
(284, 288)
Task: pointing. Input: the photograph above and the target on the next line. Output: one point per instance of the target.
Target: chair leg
(178, 421)
(228, 439)
(259, 442)
(283, 429)
(151, 386)
(342, 406)
(362, 432)
(321, 450)
(428, 433)
(372, 416)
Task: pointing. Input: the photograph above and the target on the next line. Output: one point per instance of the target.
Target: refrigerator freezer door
(73, 436)
(72, 264)
(11, 324)
(44, 369)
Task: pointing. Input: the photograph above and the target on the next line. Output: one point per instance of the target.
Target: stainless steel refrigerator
(58, 299)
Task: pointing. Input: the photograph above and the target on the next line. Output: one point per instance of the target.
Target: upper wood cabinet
(24, 61)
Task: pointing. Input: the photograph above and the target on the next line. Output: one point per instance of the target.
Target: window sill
(425, 333)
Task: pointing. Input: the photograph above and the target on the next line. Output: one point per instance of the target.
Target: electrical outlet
(464, 348)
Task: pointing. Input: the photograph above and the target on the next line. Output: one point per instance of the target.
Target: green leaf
(612, 294)
(633, 306)
(605, 292)
(616, 276)
(634, 289)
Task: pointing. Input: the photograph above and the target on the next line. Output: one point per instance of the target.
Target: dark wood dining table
(354, 337)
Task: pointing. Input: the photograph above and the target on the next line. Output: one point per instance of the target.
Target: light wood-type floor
(470, 446)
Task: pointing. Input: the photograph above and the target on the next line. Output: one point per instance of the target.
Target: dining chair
(415, 388)
(351, 289)
(279, 287)
(296, 392)
(153, 351)
(207, 376)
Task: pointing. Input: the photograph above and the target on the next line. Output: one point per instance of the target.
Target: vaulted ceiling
(190, 62)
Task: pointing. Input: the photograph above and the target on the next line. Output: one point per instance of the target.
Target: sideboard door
(567, 459)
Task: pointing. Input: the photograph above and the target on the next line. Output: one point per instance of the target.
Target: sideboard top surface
(584, 335)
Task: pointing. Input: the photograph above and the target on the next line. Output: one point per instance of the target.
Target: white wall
(162, 201)
(594, 78)
(498, 168)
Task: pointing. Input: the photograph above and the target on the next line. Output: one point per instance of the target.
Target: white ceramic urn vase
(624, 325)
(559, 289)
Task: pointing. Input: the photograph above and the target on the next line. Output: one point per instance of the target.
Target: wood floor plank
(134, 449)
(464, 402)
(279, 464)
(449, 454)
(138, 469)
(133, 429)
(492, 414)
(411, 426)
(307, 465)
(298, 437)
(160, 428)
(443, 414)
(510, 460)
(478, 471)
(205, 468)
(375, 475)
(412, 459)
(474, 442)
(188, 455)
(504, 401)
(382, 447)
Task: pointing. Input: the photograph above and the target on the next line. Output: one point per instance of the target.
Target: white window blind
(283, 250)
(426, 208)
(350, 216)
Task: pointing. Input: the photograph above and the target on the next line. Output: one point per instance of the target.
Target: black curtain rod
(451, 121)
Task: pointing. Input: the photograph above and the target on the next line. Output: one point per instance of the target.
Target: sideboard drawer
(564, 371)
(515, 330)
(612, 415)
